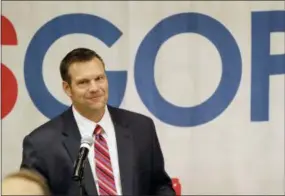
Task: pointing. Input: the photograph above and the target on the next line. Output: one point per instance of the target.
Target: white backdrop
(230, 154)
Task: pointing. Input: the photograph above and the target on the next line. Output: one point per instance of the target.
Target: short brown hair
(76, 55)
(33, 176)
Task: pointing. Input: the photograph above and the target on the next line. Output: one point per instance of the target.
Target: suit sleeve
(161, 183)
(31, 158)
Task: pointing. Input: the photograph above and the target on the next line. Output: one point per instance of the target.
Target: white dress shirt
(86, 128)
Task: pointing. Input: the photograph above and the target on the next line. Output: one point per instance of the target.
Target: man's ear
(67, 88)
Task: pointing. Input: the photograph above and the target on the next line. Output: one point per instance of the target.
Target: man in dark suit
(126, 157)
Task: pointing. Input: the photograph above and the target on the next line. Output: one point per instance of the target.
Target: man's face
(88, 88)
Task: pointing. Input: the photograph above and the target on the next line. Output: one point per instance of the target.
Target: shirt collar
(90, 125)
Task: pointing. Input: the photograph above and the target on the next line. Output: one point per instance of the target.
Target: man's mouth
(95, 97)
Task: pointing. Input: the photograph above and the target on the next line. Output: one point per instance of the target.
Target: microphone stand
(78, 177)
(80, 187)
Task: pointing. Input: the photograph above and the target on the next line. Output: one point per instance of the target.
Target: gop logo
(263, 65)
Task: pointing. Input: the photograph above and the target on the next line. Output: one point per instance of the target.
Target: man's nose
(93, 86)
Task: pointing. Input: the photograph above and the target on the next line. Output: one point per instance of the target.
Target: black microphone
(86, 143)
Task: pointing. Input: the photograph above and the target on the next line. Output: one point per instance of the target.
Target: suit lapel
(71, 142)
(125, 151)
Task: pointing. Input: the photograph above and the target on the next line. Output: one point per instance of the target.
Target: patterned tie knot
(98, 130)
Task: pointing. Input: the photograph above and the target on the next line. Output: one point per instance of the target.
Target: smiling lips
(97, 97)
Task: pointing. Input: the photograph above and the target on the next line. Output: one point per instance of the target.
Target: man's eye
(100, 78)
(83, 82)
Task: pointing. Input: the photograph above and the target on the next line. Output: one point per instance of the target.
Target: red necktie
(104, 171)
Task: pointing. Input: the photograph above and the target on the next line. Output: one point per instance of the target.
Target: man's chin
(97, 106)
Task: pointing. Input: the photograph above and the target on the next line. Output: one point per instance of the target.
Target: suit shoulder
(132, 115)
(47, 130)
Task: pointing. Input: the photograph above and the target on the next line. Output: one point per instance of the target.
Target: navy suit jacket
(52, 149)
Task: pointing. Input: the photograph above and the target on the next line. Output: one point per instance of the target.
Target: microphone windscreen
(86, 141)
